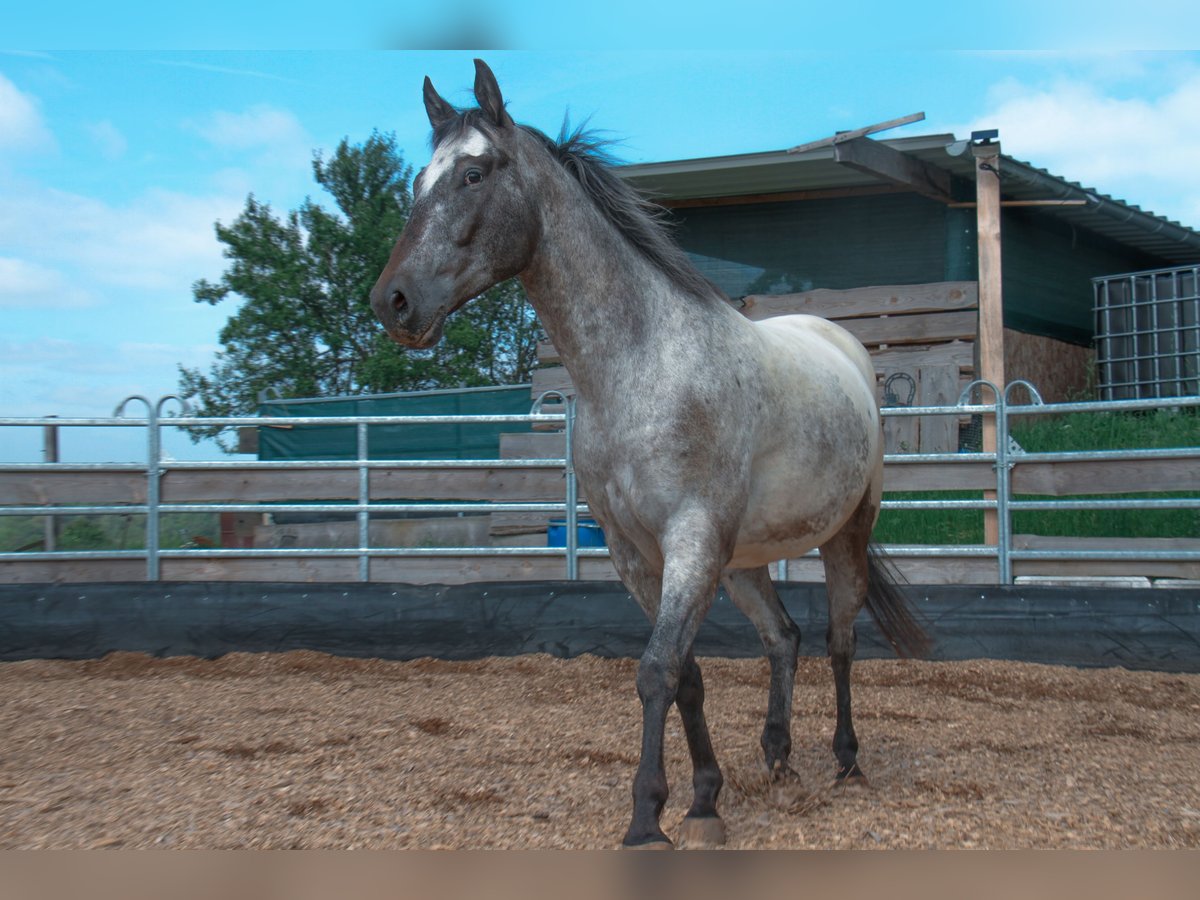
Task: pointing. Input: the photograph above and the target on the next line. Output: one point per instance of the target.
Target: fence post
(153, 469)
(1003, 484)
(50, 455)
(364, 498)
(572, 494)
(1004, 467)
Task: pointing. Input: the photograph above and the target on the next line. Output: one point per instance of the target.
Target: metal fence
(999, 498)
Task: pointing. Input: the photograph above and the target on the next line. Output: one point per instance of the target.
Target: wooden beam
(891, 299)
(882, 161)
(991, 296)
(864, 190)
(924, 328)
(843, 136)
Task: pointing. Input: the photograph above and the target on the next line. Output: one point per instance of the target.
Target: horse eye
(473, 176)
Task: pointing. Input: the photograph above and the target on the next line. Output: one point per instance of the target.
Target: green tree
(304, 325)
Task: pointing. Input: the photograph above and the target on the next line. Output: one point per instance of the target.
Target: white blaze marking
(473, 143)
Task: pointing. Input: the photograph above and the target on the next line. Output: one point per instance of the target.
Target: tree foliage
(303, 326)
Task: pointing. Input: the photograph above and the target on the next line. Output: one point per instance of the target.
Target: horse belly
(819, 449)
(782, 530)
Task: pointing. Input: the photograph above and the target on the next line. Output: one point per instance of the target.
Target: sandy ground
(306, 750)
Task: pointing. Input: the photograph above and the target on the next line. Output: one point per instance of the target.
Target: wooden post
(50, 455)
(991, 302)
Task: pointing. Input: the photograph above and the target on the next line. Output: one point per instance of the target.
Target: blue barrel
(589, 534)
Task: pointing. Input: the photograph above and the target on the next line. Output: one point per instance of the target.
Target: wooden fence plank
(547, 445)
(309, 570)
(72, 570)
(938, 386)
(910, 356)
(1093, 568)
(900, 434)
(415, 570)
(916, 570)
(1061, 479)
(923, 328)
(71, 488)
(959, 476)
(867, 301)
(182, 485)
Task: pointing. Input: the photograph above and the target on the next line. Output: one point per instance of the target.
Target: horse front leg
(668, 674)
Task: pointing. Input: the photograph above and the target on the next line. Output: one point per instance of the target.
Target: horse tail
(890, 607)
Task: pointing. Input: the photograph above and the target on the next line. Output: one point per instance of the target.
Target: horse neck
(605, 306)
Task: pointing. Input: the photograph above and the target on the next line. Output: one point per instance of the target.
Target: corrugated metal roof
(777, 171)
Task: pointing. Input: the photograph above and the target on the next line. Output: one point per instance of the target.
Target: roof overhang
(779, 175)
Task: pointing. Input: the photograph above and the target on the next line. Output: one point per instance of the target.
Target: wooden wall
(922, 332)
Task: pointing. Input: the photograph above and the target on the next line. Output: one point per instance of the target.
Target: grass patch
(1155, 429)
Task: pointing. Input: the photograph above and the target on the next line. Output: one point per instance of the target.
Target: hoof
(698, 833)
(851, 777)
(652, 844)
(781, 772)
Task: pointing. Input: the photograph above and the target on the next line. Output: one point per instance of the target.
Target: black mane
(585, 155)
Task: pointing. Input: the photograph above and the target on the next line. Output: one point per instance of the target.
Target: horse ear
(436, 108)
(487, 94)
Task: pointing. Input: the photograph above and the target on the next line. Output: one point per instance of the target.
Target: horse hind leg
(753, 593)
(845, 557)
(855, 575)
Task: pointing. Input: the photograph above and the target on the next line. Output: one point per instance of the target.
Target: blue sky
(115, 165)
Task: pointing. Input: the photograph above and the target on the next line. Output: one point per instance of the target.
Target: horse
(708, 445)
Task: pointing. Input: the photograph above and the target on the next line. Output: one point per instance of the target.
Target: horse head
(472, 223)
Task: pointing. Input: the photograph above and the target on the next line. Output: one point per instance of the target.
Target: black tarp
(1135, 628)
(471, 441)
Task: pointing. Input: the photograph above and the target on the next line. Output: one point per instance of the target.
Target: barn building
(889, 237)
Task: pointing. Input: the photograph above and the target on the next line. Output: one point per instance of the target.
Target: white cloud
(49, 375)
(1138, 147)
(267, 146)
(159, 240)
(260, 127)
(21, 124)
(25, 284)
(108, 138)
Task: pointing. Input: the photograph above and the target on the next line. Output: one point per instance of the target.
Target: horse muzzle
(407, 316)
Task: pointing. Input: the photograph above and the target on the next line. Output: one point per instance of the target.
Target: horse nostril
(398, 301)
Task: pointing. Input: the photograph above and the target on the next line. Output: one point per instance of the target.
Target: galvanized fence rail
(1002, 461)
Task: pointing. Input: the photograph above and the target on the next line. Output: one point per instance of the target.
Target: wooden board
(900, 433)
(958, 476)
(299, 485)
(932, 570)
(874, 158)
(71, 488)
(72, 571)
(1062, 479)
(938, 386)
(868, 301)
(533, 446)
(910, 356)
(552, 379)
(1093, 568)
(923, 328)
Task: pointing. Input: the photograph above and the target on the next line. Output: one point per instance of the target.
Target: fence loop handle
(184, 409)
(119, 412)
(536, 409)
(1035, 398)
(964, 397)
